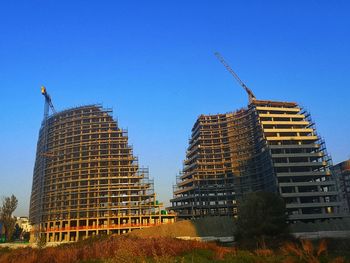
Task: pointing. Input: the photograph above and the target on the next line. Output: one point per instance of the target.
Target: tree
(261, 214)
(26, 236)
(9, 205)
(17, 233)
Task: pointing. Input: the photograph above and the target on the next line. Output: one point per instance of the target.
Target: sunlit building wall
(87, 181)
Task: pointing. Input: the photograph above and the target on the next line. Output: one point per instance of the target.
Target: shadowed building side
(224, 160)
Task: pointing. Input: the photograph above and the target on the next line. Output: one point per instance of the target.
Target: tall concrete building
(268, 146)
(86, 180)
(342, 175)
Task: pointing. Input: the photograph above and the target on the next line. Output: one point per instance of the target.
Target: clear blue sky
(153, 63)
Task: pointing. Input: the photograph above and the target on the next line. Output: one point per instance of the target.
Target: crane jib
(227, 66)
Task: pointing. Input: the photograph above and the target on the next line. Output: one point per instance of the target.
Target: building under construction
(86, 180)
(342, 175)
(268, 146)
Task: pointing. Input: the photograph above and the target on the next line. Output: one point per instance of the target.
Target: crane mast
(44, 151)
(251, 96)
(48, 103)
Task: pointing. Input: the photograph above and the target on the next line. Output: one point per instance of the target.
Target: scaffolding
(219, 166)
(268, 146)
(90, 183)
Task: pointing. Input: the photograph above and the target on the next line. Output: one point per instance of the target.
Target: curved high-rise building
(268, 146)
(86, 180)
(224, 159)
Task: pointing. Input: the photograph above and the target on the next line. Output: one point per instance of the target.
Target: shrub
(261, 214)
(41, 242)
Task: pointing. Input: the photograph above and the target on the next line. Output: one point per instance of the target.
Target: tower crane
(251, 96)
(44, 153)
(48, 103)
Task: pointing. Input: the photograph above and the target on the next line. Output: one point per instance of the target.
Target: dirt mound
(208, 226)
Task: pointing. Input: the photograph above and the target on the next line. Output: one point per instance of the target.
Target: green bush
(261, 214)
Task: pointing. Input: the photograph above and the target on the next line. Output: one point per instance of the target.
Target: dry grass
(112, 249)
(264, 252)
(134, 249)
(308, 253)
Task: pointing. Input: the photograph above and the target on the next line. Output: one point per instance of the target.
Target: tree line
(8, 221)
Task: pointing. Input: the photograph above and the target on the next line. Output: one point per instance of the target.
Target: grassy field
(111, 249)
(158, 244)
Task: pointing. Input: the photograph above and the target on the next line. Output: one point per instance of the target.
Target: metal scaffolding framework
(86, 180)
(269, 146)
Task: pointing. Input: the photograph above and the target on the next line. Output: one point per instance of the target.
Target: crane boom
(48, 103)
(251, 95)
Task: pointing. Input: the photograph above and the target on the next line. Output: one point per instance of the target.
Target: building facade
(86, 180)
(342, 174)
(23, 222)
(268, 146)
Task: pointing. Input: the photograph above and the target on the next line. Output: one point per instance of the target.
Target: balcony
(305, 164)
(316, 193)
(318, 204)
